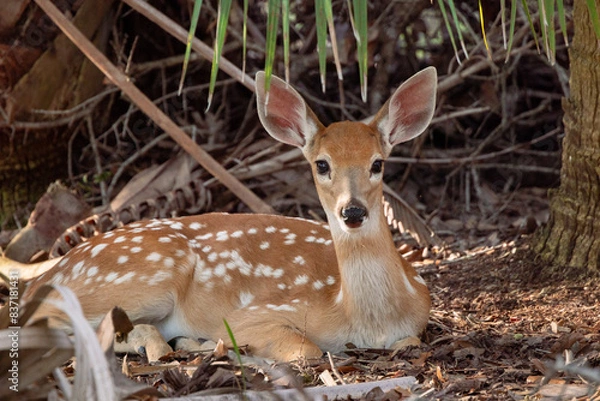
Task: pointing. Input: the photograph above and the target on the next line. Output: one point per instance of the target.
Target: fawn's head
(347, 157)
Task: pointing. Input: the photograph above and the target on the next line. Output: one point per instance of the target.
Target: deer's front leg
(146, 337)
(274, 339)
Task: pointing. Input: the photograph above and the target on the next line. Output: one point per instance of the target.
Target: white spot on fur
(270, 229)
(77, 270)
(180, 253)
(118, 240)
(222, 236)
(264, 245)
(96, 250)
(138, 239)
(224, 254)
(206, 248)
(110, 277)
(58, 278)
(63, 262)
(154, 257)
(301, 279)
(330, 280)
(207, 236)
(246, 299)
(263, 270)
(237, 234)
(159, 276)
(284, 230)
(109, 234)
(169, 262)
(252, 231)
(136, 249)
(165, 240)
(290, 239)
(317, 285)
(122, 259)
(299, 260)
(253, 307)
(284, 307)
(277, 273)
(310, 238)
(176, 225)
(197, 226)
(125, 278)
(328, 242)
(92, 271)
(220, 270)
(203, 275)
(212, 256)
(281, 286)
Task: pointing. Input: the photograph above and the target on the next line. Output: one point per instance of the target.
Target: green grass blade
(321, 21)
(285, 11)
(591, 4)
(188, 47)
(562, 20)
(334, 46)
(244, 39)
(551, 31)
(237, 352)
(449, 28)
(222, 21)
(546, 25)
(359, 20)
(530, 21)
(485, 41)
(511, 32)
(270, 46)
(457, 26)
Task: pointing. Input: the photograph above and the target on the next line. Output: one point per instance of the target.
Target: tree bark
(572, 235)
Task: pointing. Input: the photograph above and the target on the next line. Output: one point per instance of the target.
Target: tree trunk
(572, 235)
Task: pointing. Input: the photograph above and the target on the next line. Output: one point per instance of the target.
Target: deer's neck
(374, 280)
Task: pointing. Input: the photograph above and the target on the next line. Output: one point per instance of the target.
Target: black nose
(354, 214)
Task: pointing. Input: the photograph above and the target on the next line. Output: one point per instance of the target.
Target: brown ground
(499, 330)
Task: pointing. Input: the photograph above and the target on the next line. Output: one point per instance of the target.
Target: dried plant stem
(151, 110)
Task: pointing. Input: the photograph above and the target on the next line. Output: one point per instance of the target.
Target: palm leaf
(511, 32)
(591, 4)
(358, 18)
(222, 21)
(321, 21)
(285, 25)
(188, 47)
(449, 29)
(271, 42)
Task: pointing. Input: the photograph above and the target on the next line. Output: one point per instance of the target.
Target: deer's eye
(322, 167)
(377, 166)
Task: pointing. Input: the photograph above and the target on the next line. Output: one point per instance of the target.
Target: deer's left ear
(409, 111)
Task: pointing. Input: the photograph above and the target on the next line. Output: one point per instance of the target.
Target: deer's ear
(409, 111)
(284, 113)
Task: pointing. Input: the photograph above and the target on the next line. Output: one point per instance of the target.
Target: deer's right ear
(284, 113)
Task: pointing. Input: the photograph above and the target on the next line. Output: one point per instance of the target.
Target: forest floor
(500, 329)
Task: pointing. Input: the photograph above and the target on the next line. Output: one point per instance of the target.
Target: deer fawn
(288, 287)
